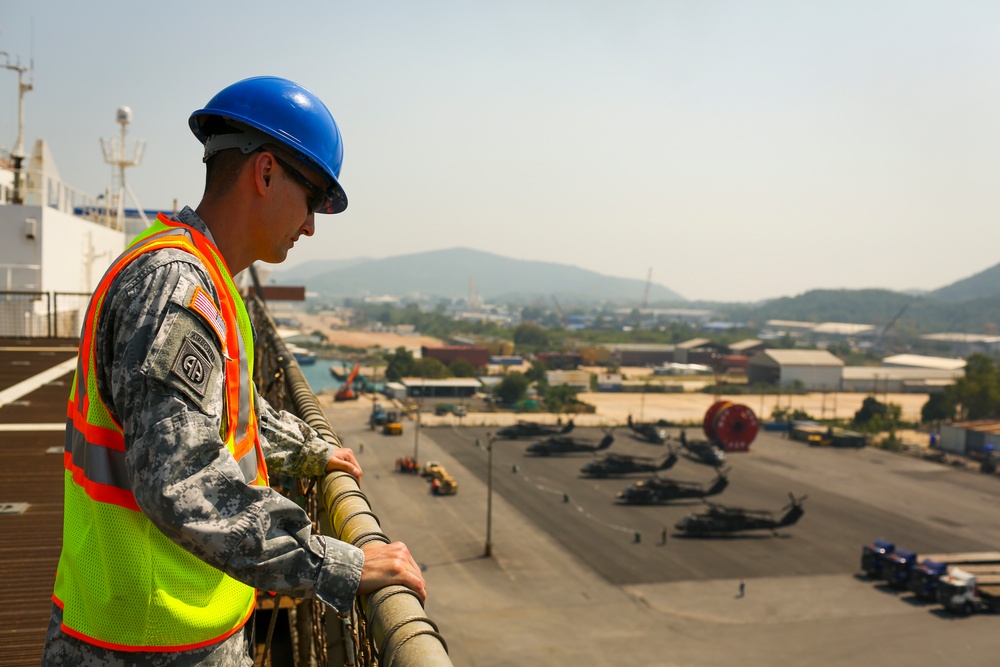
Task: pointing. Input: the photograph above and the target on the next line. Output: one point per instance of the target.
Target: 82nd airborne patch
(193, 363)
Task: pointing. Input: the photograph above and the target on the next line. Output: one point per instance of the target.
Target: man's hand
(387, 564)
(343, 459)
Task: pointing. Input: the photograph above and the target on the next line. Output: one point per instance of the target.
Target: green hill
(446, 273)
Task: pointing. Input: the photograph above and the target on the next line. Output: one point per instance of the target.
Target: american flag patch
(202, 303)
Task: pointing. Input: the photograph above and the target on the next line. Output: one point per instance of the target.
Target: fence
(42, 314)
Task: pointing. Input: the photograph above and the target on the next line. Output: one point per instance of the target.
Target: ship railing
(388, 627)
(29, 314)
(44, 190)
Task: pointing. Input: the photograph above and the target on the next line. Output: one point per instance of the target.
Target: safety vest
(121, 583)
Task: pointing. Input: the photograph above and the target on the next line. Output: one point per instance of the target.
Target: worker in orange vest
(170, 526)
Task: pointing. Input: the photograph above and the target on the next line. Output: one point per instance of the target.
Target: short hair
(223, 169)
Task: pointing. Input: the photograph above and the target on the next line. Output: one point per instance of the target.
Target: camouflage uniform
(183, 477)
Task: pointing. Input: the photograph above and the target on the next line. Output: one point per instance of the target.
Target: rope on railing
(392, 618)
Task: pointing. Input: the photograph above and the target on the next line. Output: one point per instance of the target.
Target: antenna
(115, 153)
(18, 153)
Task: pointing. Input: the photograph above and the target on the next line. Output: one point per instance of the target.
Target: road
(567, 582)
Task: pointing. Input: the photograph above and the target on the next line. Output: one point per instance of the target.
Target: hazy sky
(741, 150)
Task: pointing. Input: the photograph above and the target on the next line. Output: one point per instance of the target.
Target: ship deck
(35, 377)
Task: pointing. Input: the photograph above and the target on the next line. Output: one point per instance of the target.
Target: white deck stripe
(31, 384)
(33, 427)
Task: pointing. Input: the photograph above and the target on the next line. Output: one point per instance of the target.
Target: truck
(377, 417)
(872, 556)
(963, 592)
(924, 577)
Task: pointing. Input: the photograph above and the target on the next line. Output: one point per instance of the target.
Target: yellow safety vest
(121, 583)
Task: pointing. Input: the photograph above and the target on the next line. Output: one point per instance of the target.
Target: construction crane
(885, 329)
(562, 315)
(645, 292)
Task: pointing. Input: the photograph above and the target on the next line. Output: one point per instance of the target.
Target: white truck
(964, 592)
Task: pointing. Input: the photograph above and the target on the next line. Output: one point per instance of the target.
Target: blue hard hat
(287, 114)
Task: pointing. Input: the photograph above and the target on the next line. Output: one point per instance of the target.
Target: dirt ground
(363, 339)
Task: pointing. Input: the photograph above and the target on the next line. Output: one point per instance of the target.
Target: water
(319, 377)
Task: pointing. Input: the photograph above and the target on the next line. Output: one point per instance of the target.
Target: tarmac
(533, 601)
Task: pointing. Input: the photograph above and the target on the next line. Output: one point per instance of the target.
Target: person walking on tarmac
(170, 524)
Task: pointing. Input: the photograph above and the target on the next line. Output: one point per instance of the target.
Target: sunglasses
(317, 197)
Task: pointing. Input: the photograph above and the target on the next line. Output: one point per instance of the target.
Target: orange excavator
(345, 393)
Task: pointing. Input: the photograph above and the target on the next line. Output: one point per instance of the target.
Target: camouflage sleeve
(183, 477)
(290, 445)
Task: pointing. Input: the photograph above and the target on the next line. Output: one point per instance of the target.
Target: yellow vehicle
(392, 425)
(444, 484)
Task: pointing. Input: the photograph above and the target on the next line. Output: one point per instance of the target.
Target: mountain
(301, 273)
(446, 274)
(983, 284)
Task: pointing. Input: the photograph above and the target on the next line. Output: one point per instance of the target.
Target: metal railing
(25, 314)
(388, 627)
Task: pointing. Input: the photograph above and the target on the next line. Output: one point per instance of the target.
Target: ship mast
(18, 153)
(116, 154)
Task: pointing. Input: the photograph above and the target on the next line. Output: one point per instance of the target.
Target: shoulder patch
(188, 359)
(193, 363)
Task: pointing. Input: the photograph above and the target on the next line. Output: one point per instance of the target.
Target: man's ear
(263, 169)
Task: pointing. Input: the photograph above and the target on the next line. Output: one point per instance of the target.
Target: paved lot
(567, 583)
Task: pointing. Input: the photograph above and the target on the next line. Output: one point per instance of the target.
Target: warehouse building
(922, 361)
(446, 388)
(896, 380)
(477, 356)
(816, 370)
(970, 437)
(639, 354)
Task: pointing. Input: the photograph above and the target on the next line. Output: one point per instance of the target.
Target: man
(170, 525)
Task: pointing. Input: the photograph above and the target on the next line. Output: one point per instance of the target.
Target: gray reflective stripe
(248, 465)
(245, 388)
(99, 464)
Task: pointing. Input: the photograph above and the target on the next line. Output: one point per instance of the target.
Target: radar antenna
(116, 154)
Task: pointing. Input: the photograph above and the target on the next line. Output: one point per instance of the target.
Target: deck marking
(24, 388)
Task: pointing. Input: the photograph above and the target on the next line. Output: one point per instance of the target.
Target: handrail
(402, 633)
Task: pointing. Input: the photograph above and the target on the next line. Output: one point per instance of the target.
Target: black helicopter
(721, 519)
(561, 444)
(523, 429)
(703, 451)
(615, 465)
(654, 432)
(661, 490)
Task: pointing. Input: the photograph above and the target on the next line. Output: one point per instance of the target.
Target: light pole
(416, 435)
(489, 495)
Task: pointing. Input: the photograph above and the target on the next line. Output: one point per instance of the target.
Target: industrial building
(477, 356)
(897, 380)
(816, 370)
(963, 344)
(970, 437)
(446, 388)
(922, 361)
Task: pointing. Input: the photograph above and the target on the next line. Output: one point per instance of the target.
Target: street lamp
(489, 495)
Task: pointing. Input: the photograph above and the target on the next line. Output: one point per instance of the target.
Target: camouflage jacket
(183, 477)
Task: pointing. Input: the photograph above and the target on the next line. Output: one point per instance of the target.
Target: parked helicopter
(523, 429)
(561, 444)
(703, 451)
(661, 490)
(651, 432)
(615, 465)
(721, 519)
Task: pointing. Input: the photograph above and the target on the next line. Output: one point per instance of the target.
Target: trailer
(963, 592)
(899, 566)
(923, 580)
(872, 556)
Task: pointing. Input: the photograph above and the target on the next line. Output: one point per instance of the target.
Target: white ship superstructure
(55, 241)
